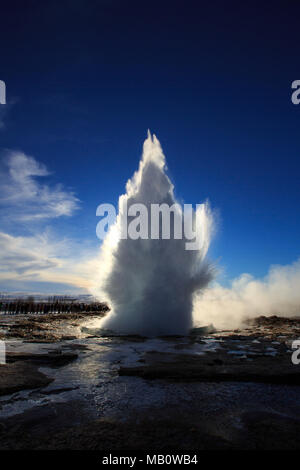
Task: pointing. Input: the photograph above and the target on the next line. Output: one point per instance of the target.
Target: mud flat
(44, 328)
(210, 390)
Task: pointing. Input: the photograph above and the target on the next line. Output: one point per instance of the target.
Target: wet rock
(21, 376)
(272, 430)
(159, 434)
(77, 346)
(53, 358)
(41, 420)
(203, 330)
(215, 367)
(55, 391)
(104, 333)
(41, 341)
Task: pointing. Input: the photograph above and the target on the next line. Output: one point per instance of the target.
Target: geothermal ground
(66, 386)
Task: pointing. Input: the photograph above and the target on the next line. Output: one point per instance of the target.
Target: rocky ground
(68, 386)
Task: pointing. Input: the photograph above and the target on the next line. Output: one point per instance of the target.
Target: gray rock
(21, 376)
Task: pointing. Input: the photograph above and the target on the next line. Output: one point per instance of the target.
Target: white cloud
(24, 199)
(44, 258)
(26, 255)
(40, 257)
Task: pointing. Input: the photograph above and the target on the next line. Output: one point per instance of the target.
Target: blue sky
(86, 79)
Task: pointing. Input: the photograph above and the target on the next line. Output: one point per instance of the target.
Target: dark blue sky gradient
(211, 79)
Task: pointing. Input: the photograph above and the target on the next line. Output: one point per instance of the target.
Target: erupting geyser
(150, 283)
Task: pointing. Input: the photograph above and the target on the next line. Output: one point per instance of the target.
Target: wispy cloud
(24, 198)
(45, 258)
(28, 205)
(27, 255)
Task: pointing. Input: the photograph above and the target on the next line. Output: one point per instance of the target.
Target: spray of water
(150, 283)
(277, 293)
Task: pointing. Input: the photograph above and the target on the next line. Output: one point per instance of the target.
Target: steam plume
(276, 294)
(149, 283)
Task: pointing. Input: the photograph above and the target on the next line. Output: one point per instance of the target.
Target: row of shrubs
(30, 306)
